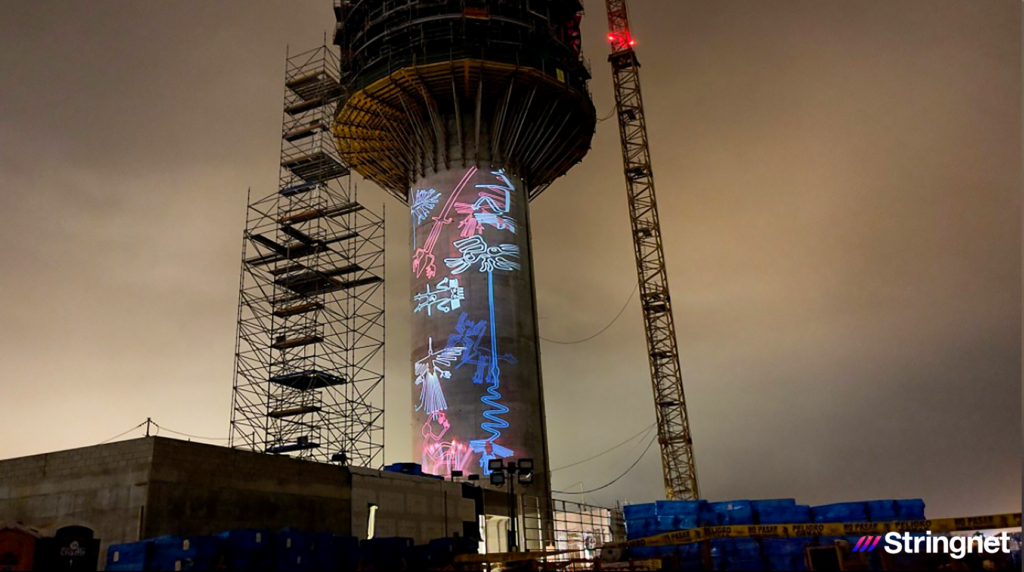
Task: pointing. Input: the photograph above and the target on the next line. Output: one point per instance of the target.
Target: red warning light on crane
(621, 40)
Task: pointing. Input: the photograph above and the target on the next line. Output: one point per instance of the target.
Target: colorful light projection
(446, 296)
(423, 259)
(485, 243)
(491, 207)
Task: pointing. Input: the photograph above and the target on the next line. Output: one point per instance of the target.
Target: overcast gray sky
(840, 184)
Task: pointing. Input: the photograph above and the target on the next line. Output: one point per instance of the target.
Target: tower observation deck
(465, 110)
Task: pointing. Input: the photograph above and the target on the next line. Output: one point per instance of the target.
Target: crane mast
(678, 467)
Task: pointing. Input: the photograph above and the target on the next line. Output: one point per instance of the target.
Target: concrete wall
(204, 489)
(412, 507)
(102, 487)
(154, 486)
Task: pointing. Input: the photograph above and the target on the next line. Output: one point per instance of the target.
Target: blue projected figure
(429, 371)
(469, 335)
(491, 258)
(447, 296)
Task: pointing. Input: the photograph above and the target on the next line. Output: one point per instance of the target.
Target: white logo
(955, 546)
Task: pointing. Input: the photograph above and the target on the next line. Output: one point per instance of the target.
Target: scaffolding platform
(288, 343)
(306, 380)
(315, 86)
(314, 282)
(297, 309)
(304, 131)
(313, 214)
(294, 411)
(315, 167)
(292, 447)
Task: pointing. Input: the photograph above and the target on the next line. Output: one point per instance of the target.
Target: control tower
(465, 110)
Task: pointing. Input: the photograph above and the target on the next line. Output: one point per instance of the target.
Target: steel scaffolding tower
(678, 468)
(309, 355)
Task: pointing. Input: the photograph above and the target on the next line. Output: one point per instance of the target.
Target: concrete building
(154, 486)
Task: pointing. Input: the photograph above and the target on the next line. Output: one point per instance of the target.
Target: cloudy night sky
(839, 182)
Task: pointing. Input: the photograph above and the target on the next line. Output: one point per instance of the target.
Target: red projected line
(424, 258)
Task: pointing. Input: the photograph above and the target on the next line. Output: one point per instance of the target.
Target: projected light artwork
(477, 395)
(445, 297)
(491, 207)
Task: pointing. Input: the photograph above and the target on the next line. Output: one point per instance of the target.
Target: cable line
(615, 319)
(122, 434)
(654, 438)
(644, 432)
(188, 435)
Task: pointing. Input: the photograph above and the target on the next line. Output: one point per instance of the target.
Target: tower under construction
(309, 356)
(465, 110)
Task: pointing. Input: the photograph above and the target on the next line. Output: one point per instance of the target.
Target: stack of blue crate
(346, 553)
(910, 509)
(248, 549)
(185, 553)
(641, 520)
(783, 553)
(389, 553)
(294, 550)
(841, 512)
(733, 513)
(130, 556)
(657, 518)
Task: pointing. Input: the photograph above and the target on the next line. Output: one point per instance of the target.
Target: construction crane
(678, 467)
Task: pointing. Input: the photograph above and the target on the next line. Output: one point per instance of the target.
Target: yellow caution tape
(938, 525)
(506, 556)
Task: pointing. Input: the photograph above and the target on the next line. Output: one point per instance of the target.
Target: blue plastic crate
(639, 527)
(288, 539)
(294, 550)
(708, 517)
(418, 558)
(296, 561)
(771, 503)
(740, 565)
(663, 524)
(910, 509)
(795, 514)
(186, 552)
(678, 508)
(248, 549)
(841, 512)
(746, 549)
(882, 510)
(643, 552)
(129, 556)
(389, 553)
(688, 551)
(686, 522)
(635, 511)
(731, 513)
(322, 552)
(783, 546)
(721, 547)
(785, 563)
(346, 552)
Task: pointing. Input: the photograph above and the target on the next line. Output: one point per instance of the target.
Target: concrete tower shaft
(465, 110)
